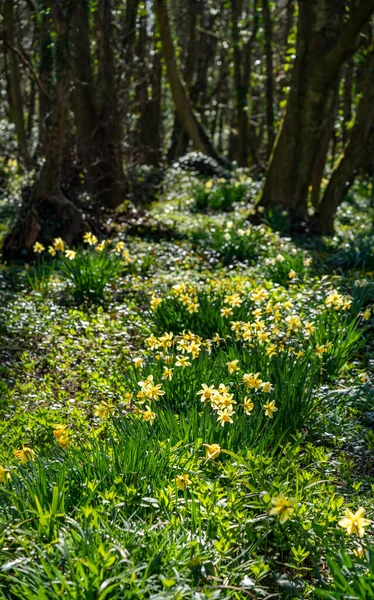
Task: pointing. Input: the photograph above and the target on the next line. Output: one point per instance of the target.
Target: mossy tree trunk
(324, 42)
(352, 158)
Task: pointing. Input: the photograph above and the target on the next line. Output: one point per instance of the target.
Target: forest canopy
(93, 91)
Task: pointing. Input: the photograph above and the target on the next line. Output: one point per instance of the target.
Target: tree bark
(14, 92)
(353, 157)
(182, 104)
(242, 82)
(113, 185)
(323, 44)
(47, 212)
(269, 77)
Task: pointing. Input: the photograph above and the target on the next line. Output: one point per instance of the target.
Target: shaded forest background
(98, 97)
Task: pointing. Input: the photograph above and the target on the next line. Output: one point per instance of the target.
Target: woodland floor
(119, 495)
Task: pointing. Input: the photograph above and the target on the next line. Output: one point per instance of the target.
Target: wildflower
(216, 339)
(206, 392)
(233, 300)
(148, 415)
(248, 406)
(100, 247)
(232, 366)
(263, 336)
(192, 307)
(59, 244)
(252, 380)
(138, 362)
(119, 247)
(226, 312)
(320, 350)
(283, 507)
(153, 391)
(212, 451)
(38, 248)
(25, 454)
(5, 475)
(104, 410)
(61, 434)
(182, 362)
(309, 328)
(70, 254)
(167, 374)
(280, 258)
(182, 481)
(364, 377)
(366, 314)
(90, 239)
(355, 522)
(266, 387)
(224, 416)
(155, 302)
(307, 262)
(292, 274)
(293, 322)
(271, 350)
(270, 408)
(51, 251)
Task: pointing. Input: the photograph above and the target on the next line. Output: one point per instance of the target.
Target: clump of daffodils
(222, 400)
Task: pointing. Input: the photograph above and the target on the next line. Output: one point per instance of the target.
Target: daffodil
(212, 451)
(282, 506)
(104, 410)
(232, 366)
(182, 481)
(149, 415)
(59, 244)
(168, 373)
(4, 475)
(248, 405)
(355, 522)
(270, 408)
(25, 454)
(70, 254)
(38, 248)
(182, 362)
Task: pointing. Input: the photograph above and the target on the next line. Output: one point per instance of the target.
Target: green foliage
(89, 273)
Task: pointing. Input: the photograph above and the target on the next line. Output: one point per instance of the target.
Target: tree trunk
(45, 76)
(14, 91)
(269, 77)
(182, 104)
(319, 166)
(353, 157)
(180, 138)
(47, 212)
(323, 44)
(243, 138)
(113, 188)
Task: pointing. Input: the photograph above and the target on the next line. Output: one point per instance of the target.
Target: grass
(124, 483)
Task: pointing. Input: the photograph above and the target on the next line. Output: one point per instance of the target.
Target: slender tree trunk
(353, 157)
(45, 76)
(182, 104)
(347, 98)
(243, 138)
(113, 175)
(323, 44)
(269, 77)
(180, 138)
(15, 92)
